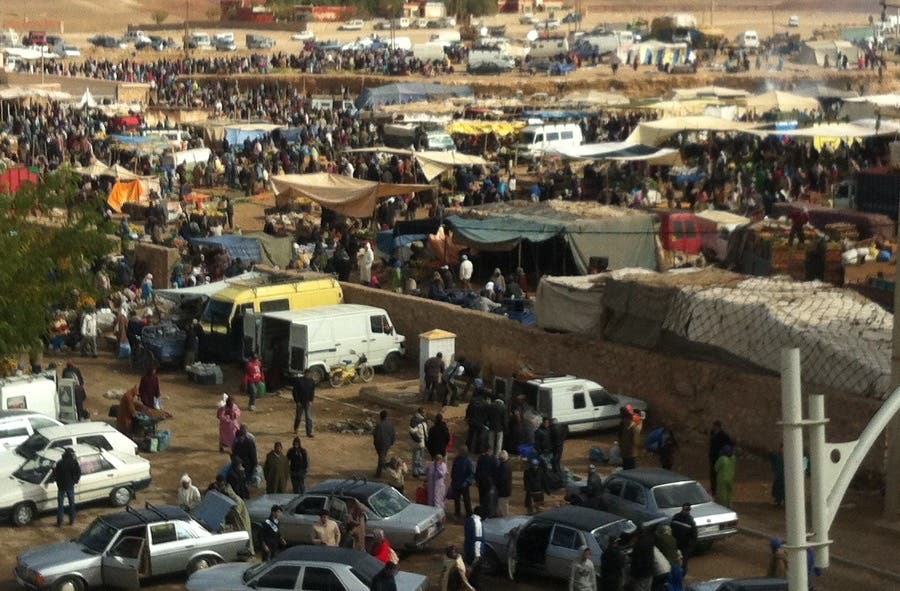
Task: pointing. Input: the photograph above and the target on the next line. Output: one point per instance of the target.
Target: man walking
(244, 447)
(89, 333)
(67, 473)
(465, 272)
(383, 438)
(503, 482)
(462, 475)
(299, 463)
(485, 469)
(684, 529)
(434, 369)
(557, 441)
(497, 424)
(270, 536)
(304, 391)
(418, 432)
(254, 380)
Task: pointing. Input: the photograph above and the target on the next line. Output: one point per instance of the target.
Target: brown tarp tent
(351, 197)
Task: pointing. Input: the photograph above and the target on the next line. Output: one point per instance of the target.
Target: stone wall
(691, 393)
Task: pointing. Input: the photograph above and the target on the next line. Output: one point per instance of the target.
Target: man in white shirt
(465, 272)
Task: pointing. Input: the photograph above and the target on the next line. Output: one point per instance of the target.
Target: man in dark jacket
(244, 447)
(542, 441)
(497, 425)
(67, 473)
(383, 438)
(237, 478)
(557, 440)
(684, 528)
(438, 437)
(535, 480)
(503, 482)
(462, 475)
(642, 560)
(612, 567)
(384, 580)
(476, 418)
(485, 469)
(304, 392)
(434, 369)
(718, 439)
(270, 536)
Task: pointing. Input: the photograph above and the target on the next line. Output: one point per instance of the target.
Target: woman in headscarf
(435, 476)
(499, 282)
(127, 412)
(229, 417)
(188, 494)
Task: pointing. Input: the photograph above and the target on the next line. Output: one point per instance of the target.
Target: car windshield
(97, 536)
(611, 530)
(29, 448)
(253, 571)
(34, 470)
(217, 312)
(388, 502)
(669, 496)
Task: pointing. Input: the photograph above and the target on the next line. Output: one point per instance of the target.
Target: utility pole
(795, 494)
(892, 456)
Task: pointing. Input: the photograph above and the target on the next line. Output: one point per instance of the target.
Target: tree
(46, 258)
(159, 16)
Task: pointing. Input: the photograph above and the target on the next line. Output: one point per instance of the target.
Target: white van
(429, 52)
(446, 37)
(577, 404)
(199, 41)
(536, 139)
(549, 48)
(748, 40)
(42, 393)
(318, 338)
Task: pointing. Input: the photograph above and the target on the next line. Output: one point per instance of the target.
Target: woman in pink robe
(229, 421)
(435, 475)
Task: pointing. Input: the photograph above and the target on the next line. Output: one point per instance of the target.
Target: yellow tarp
(475, 127)
(125, 192)
(352, 197)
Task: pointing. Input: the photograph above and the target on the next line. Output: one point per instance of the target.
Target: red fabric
(382, 551)
(12, 179)
(799, 218)
(253, 374)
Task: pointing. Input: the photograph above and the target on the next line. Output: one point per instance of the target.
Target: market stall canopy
(886, 105)
(95, 168)
(120, 172)
(778, 100)
(381, 149)
(352, 197)
(142, 144)
(595, 98)
(434, 163)
(236, 135)
(87, 99)
(12, 93)
(478, 127)
(246, 248)
(205, 290)
(845, 131)
(425, 107)
(713, 92)
(682, 108)
(126, 192)
(652, 133)
(622, 151)
(408, 92)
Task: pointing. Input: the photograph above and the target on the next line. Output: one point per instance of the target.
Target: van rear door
(298, 349)
(65, 393)
(545, 402)
(380, 339)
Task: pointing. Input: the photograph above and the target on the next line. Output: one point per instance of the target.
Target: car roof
(81, 449)
(358, 488)
(651, 477)
(583, 518)
(76, 429)
(9, 413)
(132, 517)
(366, 564)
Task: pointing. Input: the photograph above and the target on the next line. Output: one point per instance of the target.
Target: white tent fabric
(857, 129)
(87, 99)
(207, 290)
(652, 133)
(778, 100)
(435, 163)
(622, 151)
(717, 92)
(352, 197)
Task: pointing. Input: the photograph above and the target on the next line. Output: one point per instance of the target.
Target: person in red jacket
(254, 378)
(799, 218)
(381, 548)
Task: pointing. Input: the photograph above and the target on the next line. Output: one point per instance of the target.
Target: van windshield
(29, 448)
(217, 312)
(528, 137)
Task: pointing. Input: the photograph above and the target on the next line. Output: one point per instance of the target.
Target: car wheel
(316, 374)
(391, 363)
(22, 514)
(490, 563)
(336, 379)
(120, 496)
(202, 562)
(366, 373)
(68, 584)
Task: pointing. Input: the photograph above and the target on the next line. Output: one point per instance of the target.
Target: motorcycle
(349, 372)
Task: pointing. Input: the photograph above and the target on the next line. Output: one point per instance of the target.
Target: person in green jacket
(277, 470)
(725, 468)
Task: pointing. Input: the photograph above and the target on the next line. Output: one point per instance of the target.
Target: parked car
(550, 23)
(527, 19)
(351, 25)
(104, 475)
(547, 544)
(226, 45)
(96, 434)
(406, 525)
(122, 549)
(654, 495)
(751, 584)
(794, 21)
(306, 35)
(303, 567)
(105, 41)
(17, 425)
(259, 42)
(154, 42)
(572, 17)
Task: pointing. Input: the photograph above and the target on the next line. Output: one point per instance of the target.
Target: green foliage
(159, 16)
(45, 258)
(476, 8)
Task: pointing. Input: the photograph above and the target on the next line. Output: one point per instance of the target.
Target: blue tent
(408, 92)
(243, 247)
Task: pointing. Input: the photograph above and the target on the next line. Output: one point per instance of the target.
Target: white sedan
(104, 475)
(306, 35)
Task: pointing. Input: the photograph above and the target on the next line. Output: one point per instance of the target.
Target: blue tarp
(387, 243)
(504, 231)
(236, 136)
(134, 139)
(243, 247)
(407, 92)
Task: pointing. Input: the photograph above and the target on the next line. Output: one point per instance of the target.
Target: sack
(661, 566)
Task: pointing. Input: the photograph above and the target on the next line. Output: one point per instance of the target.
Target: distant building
(528, 6)
(254, 11)
(324, 13)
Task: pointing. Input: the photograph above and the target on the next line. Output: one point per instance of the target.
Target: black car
(104, 41)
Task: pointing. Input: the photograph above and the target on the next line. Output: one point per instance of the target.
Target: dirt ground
(194, 451)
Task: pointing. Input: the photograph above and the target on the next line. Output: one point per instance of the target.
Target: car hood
(706, 513)
(410, 581)
(499, 528)
(260, 507)
(637, 403)
(415, 514)
(222, 577)
(9, 460)
(14, 490)
(59, 556)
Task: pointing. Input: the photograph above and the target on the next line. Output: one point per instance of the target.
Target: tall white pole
(892, 457)
(795, 501)
(819, 494)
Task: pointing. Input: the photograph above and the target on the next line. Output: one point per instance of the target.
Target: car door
(321, 578)
(121, 564)
(531, 545)
(278, 576)
(634, 502)
(98, 478)
(563, 550)
(166, 550)
(380, 339)
(297, 526)
(606, 409)
(612, 495)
